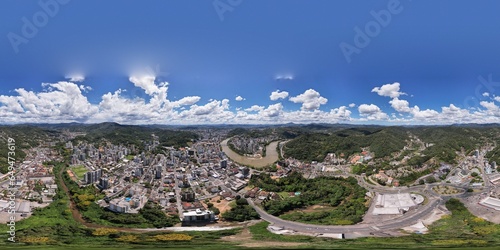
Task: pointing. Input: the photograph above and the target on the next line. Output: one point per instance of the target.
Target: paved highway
(409, 219)
(358, 228)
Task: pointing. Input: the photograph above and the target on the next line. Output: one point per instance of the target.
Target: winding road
(358, 228)
(411, 218)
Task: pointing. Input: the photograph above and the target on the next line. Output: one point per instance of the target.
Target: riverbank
(270, 158)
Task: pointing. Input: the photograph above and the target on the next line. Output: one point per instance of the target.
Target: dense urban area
(291, 184)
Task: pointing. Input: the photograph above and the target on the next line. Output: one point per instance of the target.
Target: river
(271, 155)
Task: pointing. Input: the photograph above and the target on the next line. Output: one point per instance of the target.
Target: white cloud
(85, 88)
(276, 95)
(389, 90)
(64, 101)
(255, 108)
(425, 114)
(310, 99)
(366, 109)
(402, 106)
(239, 98)
(188, 100)
(486, 94)
(67, 102)
(147, 83)
(491, 107)
(372, 112)
(341, 113)
(272, 111)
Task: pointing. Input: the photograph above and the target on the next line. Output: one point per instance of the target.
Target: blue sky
(185, 62)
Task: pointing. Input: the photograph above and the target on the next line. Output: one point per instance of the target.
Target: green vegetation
(362, 168)
(315, 146)
(25, 137)
(135, 135)
(449, 139)
(236, 150)
(459, 230)
(241, 212)
(494, 155)
(344, 198)
(79, 171)
(150, 216)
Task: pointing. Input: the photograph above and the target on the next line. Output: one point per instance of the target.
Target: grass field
(284, 195)
(79, 171)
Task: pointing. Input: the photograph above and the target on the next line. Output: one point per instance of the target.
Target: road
(358, 228)
(409, 219)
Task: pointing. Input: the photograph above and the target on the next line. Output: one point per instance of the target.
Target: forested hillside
(315, 146)
(135, 135)
(25, 137)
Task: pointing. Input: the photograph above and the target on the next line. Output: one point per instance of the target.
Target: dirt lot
(472, 203)
(223, 206)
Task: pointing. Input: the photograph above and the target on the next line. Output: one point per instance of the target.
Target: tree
(215, 210)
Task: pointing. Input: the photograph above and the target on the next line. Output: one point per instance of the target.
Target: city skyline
(384, 62)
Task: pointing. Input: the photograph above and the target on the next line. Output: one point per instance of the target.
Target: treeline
(494, 155)
(383, 141)
(135, 135)
(448, 140)
(315, 146)
(241, 212)
(344, 196)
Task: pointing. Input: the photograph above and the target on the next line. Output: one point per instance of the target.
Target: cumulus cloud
(64, 101)
(147, 83)
(340, 114)
(365, 109)
(239, 98)
(491, 107)
(486, 94)
(372, 112)
(188, 100)
(255, 108)
(389, 90)
(425, 114)
(276, 95)
(310, 99)
(272, 111)
(402, 106)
